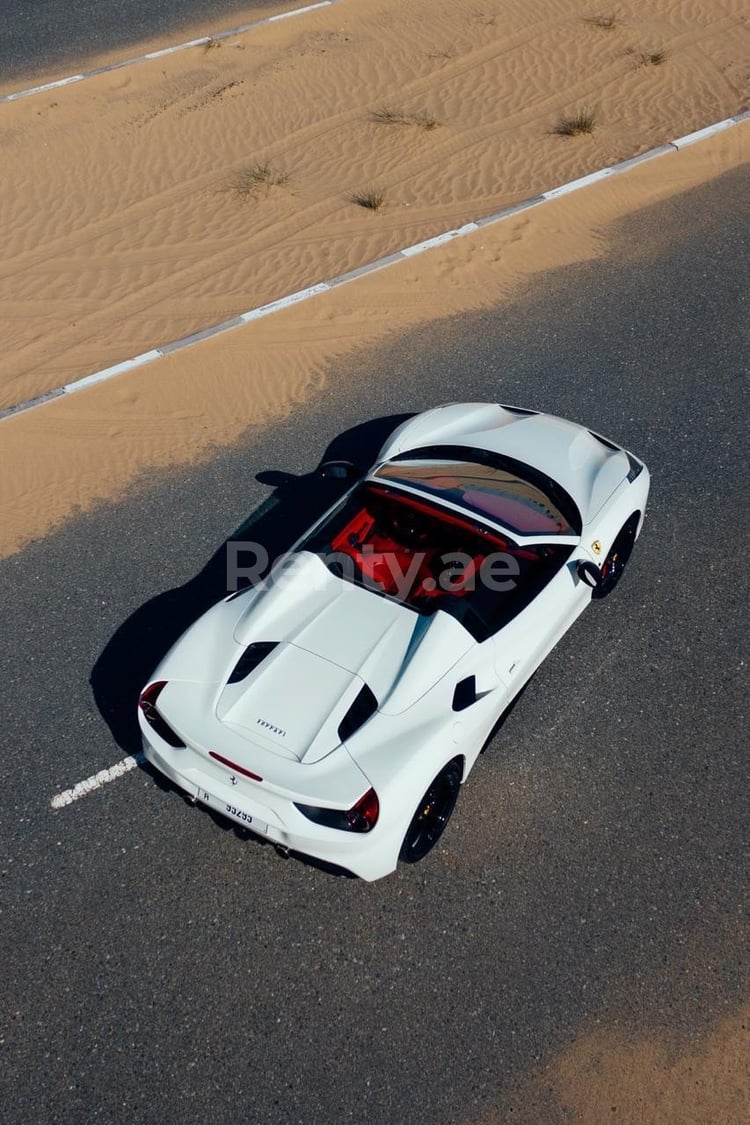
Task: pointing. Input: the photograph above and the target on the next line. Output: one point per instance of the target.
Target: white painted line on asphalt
(96, 781)
(370, 267)
(218, 37)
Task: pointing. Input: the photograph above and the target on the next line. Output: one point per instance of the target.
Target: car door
(478, 696)
(522, 644)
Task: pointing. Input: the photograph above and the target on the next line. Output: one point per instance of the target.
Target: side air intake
(363, 707)
(253, 655)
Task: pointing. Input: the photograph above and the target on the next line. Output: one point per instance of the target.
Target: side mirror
(339, 470)
(589, 573)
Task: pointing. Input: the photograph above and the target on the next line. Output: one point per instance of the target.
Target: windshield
(505, 494)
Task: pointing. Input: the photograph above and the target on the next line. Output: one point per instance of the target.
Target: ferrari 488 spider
(336, 707)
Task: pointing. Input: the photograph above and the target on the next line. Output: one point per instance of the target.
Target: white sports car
(336, 707)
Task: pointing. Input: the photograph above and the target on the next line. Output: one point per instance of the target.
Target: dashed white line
(96, 781)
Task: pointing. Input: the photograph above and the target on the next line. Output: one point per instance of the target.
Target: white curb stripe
(109, 372)
(701, 134)
(284, 302)
(296, 11)
(221, 35)
(42, 89)
(574, 185)
(512, 209)
(370, 267)
(96, 781)
(162, 51)
(438, 240)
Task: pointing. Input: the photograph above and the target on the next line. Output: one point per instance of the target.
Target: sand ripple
(123, 221)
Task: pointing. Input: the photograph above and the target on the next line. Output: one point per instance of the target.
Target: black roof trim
(606, 442)
(516, 409)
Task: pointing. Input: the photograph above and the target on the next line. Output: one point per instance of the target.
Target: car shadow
(141, 641)
(246, 834)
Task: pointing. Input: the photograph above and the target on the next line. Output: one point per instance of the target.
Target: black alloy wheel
(432, 815)
(614, 565)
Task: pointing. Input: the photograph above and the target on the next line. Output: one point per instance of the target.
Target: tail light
(147, 704)
(361, 817)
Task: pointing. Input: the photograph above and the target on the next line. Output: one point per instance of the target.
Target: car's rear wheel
(614, 565)
(432, 815)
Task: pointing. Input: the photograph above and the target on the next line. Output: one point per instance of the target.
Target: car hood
(332, 638)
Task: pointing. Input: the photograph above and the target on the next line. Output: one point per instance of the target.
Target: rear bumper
(368, 855)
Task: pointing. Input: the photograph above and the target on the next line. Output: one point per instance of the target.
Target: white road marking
(96, 781)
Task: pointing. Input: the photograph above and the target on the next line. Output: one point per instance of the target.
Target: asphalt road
(55, 37)
(159, 967)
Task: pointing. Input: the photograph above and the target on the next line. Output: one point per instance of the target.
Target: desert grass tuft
(371, 198)
(249, 181)
(582, 121)
(654, 58)
(604, 23)
(394, 115)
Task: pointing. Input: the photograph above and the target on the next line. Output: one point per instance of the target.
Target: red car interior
(393, 539)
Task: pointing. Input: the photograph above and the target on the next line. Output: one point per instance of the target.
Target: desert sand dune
(145, 204)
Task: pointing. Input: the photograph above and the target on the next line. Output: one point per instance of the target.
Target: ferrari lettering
(271, 727)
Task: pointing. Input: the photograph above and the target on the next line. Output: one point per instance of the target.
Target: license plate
(234, 812)
(237, 814)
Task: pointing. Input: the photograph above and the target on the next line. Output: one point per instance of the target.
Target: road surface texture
(159, 966)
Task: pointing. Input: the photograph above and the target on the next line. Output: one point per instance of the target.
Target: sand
(664, 1074)
(656, 1079)
(130, 215)
(615, 1075)
(151, 202)
(88, 447)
